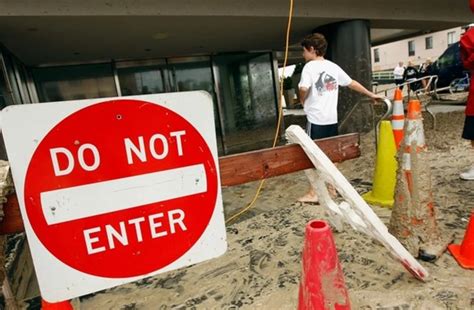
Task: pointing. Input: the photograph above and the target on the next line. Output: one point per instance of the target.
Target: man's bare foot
(309, 198)
(332, 191)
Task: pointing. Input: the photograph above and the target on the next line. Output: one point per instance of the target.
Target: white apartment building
(417, 49)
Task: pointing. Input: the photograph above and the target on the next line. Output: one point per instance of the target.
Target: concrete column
(349, 47)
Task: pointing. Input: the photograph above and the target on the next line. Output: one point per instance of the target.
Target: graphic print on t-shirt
(325, 83)
(410, 73)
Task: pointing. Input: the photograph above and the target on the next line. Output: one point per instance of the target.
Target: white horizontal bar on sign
(83, 201)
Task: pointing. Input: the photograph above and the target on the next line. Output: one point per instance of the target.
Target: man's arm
(354, 85)
(303, 93)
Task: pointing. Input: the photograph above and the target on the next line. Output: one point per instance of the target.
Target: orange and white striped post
(415, 136)
(398, 117)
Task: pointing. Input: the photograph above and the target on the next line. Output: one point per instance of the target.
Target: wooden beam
(12, 221)
(238, 169)
(267, 163)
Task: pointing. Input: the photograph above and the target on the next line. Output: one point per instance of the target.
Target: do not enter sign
(130, 195)
(118, 188)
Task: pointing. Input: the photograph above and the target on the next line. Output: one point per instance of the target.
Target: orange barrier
(464, 253)
(322, 281)
(398, 117)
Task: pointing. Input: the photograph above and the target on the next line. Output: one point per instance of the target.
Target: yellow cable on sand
(280, 114)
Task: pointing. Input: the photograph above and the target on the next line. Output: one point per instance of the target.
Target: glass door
(247, 95)
(195, 73)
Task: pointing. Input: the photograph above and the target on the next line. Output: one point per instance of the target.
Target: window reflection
(248, 100)
(247, 107)
(10, 75)
(6, 98)
(192, 75)
(141, 80)
(196, 74)
(75, 82)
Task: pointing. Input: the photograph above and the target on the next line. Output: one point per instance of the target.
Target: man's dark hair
(317, 41)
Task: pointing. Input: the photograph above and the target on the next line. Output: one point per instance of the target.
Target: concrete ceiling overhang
(44, 32)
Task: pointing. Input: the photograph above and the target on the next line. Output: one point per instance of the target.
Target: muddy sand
(261, 269)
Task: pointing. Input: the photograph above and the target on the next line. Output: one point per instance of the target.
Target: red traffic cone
(464, 253)
(62, 305)
(322, 281)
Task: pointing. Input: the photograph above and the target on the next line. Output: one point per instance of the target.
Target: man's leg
(319, 132)
(310, 195)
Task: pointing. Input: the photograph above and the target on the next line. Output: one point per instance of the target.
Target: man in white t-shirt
(398, 74)
(319, 89)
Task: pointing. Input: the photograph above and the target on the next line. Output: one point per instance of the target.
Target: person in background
(398, 74)
(425, 70)
(319, 89)
(411, 74)
(467, 56)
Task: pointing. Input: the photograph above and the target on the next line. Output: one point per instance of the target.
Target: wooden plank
(12, 221)
(239, 169)
(267, 163)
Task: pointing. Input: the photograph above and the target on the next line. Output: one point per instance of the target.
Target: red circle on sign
(145, 247)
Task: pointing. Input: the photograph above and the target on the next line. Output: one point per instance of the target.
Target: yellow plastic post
(383, 190)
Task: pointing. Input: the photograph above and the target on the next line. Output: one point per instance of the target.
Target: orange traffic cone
(322, 281)
(464, 253)
(398, 117)
(62, 305)
(413, 220)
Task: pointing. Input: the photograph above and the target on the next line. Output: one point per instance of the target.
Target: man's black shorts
(321, 131)
(398, 82)
(468, 132)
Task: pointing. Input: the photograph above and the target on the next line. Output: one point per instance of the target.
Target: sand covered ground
(261, 269)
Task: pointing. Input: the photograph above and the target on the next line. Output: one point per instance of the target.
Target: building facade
(243, 86)
(69, 50)
(416, 49)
